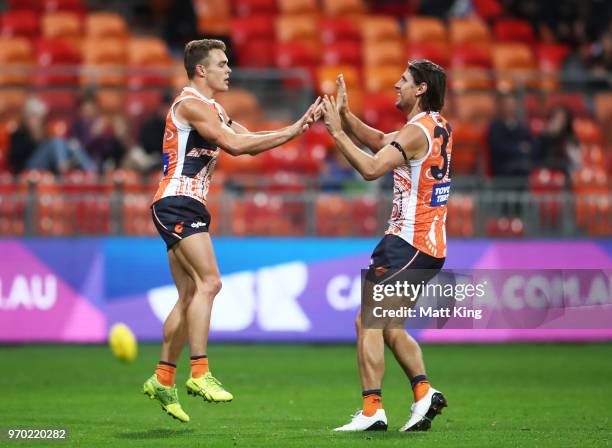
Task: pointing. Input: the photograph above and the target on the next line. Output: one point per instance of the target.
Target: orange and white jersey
(421, 189)
(189, 159)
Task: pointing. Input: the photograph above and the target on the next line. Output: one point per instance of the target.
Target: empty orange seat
(380, 29)
(343, 7)
(298, 6)
(515, 66)
(16, 58)
(148, 53)
(470, 30)
(426, 30)
(327, 74)
(240, 105)
(587, 130)
(475, 107)
(383, 78)
(106, 24)
(291, 28)
(377, 53)
(61, 24)
(103, 61)
(213, 16)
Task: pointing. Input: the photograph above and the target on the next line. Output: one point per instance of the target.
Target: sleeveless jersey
(421, 189)
(189, 159)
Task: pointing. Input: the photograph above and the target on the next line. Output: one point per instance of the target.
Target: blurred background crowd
(85, 86)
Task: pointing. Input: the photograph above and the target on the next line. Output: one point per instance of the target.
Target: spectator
(511, 145)
(100, 135)
(558, 146)
(338, 174)
(146, 156)
(31, 147)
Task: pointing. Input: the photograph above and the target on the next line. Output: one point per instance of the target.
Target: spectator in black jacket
(511, 144)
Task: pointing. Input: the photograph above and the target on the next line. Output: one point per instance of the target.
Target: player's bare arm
(207, 123)
(408, 143)
(371, 137)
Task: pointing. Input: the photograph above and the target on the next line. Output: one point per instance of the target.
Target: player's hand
(341, 95)
(303, 124)
(331, 116)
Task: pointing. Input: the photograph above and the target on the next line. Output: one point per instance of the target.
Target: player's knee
(211, 285)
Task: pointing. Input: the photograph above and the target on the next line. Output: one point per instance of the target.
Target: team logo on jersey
(166, 160)
(439, 194)
(179, 227)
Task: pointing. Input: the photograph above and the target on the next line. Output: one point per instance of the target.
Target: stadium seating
(326, 78)
(308, 7)
(426, 30)
(20, 23)
(53, 48)
(338, 29)
(144, 53)
(343, 8)
(213, 17)
(16, 57)
(381, 29)
(344, 52)
(103, 25)
(61, 24)
(515, 65)
(377, 53)
(248, 8)
(56, 58)
(472, 30)
(513, 30)
(383, 78)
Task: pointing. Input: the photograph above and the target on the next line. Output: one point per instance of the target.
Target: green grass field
(291, 396)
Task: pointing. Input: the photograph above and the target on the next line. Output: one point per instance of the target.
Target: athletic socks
(165, 372)
(420, 386)
(199, 366)
(372, 401)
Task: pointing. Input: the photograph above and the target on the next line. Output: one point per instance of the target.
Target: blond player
(197, 129)
(415, 242)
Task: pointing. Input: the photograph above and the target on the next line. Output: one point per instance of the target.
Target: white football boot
(377, 422)
(425, 410)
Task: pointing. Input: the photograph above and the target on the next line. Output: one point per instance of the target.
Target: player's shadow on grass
(153, 434)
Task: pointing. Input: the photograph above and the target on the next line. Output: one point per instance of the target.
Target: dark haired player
(419, 155)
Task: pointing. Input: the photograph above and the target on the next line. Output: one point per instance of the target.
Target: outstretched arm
(367, 135)
(207, 123)
(409, 143)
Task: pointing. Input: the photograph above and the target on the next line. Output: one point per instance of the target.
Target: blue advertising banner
(274, 289)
